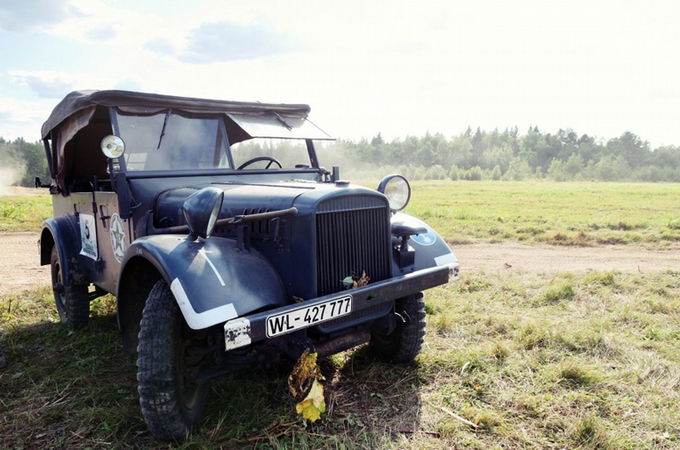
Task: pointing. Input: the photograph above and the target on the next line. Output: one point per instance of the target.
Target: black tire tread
(158, 389)
(405, 342)
(75, 312)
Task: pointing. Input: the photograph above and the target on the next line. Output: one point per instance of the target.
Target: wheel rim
(190, 388)
(58, 287)
(388, 340)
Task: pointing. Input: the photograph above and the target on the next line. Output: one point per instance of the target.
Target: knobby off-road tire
(73, 302)
(172, 399)
(404, 343)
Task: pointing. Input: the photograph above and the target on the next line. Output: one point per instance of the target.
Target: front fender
(430, 249)
(212, 280)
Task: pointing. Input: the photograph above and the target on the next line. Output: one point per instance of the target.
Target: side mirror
(112, 146)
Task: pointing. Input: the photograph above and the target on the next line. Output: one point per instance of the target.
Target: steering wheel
(260, 158)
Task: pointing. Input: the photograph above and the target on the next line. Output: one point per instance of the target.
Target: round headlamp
(397, 190)
(201, 210)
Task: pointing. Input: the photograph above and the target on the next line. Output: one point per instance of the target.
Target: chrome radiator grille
(352, 236)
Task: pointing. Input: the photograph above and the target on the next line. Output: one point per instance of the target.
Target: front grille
(352, 236)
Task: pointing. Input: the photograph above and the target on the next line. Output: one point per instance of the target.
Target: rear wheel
(403, 344)
(73, 302)
(170, 394)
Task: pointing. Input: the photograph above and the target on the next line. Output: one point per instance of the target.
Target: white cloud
(24, 16)
(226, 41)
(20, 118)
(129, 84)
(160, 46)
(44, 84)
(103, 33)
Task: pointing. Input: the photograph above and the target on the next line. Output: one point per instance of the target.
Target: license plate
(310, 315)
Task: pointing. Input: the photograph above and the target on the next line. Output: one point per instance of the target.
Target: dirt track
(548, 258)
(20, 269)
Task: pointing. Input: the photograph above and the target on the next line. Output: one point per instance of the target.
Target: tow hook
(296, 347)
(404, 317)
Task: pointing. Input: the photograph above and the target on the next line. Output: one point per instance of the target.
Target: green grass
(646, 214)
(533, 360)
(24, 213)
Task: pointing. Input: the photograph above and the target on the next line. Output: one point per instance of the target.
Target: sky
(398, 68)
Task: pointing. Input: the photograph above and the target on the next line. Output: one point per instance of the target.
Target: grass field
(24, 213)
(553, 213)
(511, 360)
(646, 214)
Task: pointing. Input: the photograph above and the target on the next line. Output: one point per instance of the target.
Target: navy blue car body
(223, 208)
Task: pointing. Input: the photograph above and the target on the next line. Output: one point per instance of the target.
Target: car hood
(251, 198)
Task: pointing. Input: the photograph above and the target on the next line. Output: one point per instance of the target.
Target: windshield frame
(220, 145)
(225, 124)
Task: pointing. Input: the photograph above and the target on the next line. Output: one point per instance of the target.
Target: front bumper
(254, 328)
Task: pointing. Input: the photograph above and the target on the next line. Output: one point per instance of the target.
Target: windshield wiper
(165, 122)
(280, 119)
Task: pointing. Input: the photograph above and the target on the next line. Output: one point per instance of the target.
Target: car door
(113, 235)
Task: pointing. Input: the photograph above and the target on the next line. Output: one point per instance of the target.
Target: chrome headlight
(201, 210)
(112, 146)
(397, 190)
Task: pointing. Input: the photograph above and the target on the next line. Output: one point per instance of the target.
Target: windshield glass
(170, 141)
(263, 153)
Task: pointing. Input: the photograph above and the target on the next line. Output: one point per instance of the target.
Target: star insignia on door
(117, 237)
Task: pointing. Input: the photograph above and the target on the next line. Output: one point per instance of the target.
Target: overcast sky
(400, 68)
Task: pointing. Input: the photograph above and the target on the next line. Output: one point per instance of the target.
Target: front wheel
(73, 302)
(403, 344)
(170, 394)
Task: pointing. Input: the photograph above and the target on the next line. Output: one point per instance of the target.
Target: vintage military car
(225, 242)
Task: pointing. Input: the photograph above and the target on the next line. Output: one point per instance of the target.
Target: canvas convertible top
(78, 102)
(85, 114)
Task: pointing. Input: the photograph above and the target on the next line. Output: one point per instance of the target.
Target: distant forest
(21, 162)
(472, 155)
(509, 155)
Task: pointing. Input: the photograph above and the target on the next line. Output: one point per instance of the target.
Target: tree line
(21, 162)
(471, 155)
(509, 155)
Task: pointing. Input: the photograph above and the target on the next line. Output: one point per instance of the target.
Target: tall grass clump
(555, 292)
